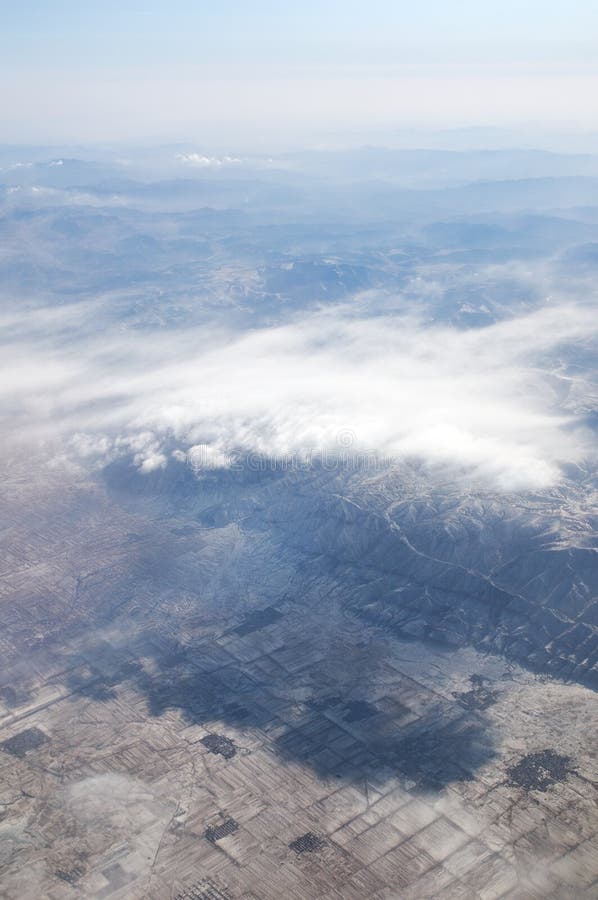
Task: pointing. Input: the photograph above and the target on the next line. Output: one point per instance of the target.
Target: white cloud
(17, 165)
(482, 400)
(208, 162)
(150, 462)
(207, 456)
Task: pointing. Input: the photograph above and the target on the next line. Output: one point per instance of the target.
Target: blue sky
(37, 32)
(78, 70)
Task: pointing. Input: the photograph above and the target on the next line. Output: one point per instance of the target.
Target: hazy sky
(248, 71)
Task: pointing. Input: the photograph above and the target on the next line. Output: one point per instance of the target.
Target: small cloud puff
(207, 457)
(208, 162)
(151, 462)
